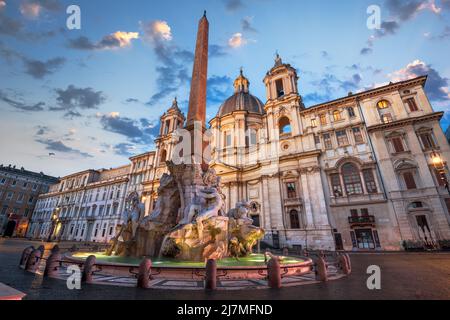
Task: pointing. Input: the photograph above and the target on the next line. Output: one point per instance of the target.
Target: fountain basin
(252, 267)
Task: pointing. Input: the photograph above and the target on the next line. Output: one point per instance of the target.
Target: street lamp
(439, 165)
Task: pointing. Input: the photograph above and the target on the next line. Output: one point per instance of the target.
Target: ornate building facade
(363, 172)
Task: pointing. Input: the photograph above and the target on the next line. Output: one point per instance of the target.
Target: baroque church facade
(363, 172)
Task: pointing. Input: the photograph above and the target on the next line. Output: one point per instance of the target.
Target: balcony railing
(362, 221)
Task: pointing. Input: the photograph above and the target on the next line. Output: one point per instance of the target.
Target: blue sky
(93, 97)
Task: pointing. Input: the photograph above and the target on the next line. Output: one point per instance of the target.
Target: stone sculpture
(188, 222)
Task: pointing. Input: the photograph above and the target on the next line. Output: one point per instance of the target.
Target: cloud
(70, 115)
(436, 87)
(117, 40)
(33, 8)
(172, 71)
(247, 24)
(408, 9)
(58, 146)
(217, 51)
(17, 104)
(237, 40)
(132, 100)
(42, 130)
(233, 5)
(39, 69)
(219, 88)
(157, 31)
(124, 149)
(141, 131)
(73, 98)
(9, 26)
(36, 68)
(2, 4)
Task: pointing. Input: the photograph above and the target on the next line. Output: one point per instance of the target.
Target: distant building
(19, 191)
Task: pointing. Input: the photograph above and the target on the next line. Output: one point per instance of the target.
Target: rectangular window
(427, 141)
(357, 134)
(100, 210)
(316, 139)
(327, 141)
(342, 138)
(364, 212)
(3, 181)
(354, 213)
(397, 144)
(337, 115)
(351, 112)
(279, 87)
(108, 209)
(313, 123)
(369, 179)
(336, 185)
(252, 137)
(410, 183)
(227, 139)
(323, 119)
(9, 196)
(20, 197)
(291, 190)
(387, 118)
(411, 102)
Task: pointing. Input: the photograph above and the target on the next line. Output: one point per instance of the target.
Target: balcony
(362, 221)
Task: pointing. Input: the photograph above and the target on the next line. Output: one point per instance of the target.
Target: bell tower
(283, 100)
(171, 120)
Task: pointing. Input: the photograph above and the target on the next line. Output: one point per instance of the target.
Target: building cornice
(399, 123)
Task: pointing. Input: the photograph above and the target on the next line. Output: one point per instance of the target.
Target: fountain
(197, 231)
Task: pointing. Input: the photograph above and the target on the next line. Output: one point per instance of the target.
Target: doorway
(10, 227)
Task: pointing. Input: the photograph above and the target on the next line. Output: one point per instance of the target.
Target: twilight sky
(77, 99)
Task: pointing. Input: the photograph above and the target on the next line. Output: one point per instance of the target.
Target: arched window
(163, 157)
(383, 104)
(352, 179)
(285, 126)
(337, 115)
(294, 219)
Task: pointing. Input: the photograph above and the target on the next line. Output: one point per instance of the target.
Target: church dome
(241, 100)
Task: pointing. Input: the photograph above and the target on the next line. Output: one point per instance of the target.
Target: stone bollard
(349, 263)
(42, 250)
(88, 269)
(25, 255)
(145, 274)
(211, 275)
(321, 270)
(53, 262)
(274, 273)
(285, 251)
(33, 261)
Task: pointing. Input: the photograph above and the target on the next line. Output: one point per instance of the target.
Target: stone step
(8, 293)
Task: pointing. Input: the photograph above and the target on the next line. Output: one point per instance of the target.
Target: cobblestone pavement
(403, 276)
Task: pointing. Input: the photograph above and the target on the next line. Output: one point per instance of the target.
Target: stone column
(307, 200)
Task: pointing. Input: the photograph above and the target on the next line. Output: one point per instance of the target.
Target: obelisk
(197, 100)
